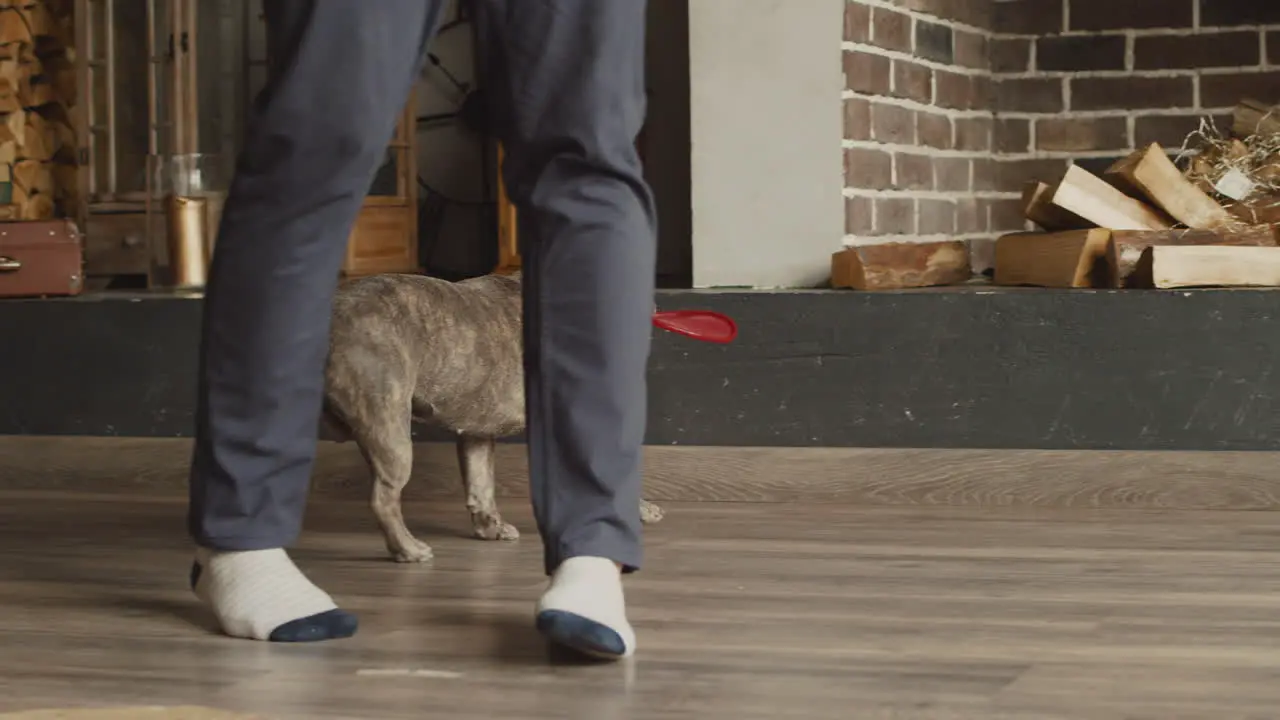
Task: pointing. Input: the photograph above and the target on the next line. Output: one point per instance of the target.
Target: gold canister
(189, 241)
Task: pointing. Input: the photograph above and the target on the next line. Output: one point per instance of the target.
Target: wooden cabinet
(385, 236)
(165, 78)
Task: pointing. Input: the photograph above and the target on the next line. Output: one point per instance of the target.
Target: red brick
(913, 81)
(1076, 134)
(891, 29)
(914, 172)
(1078, 53)
(1128, 93)
(933, 130)
(1010, 54)
(1013, 135)
(1029, 17)
(867, 168)
(957, 91)
(1135, 14)
(1170, 131)
(866, 73)
(857, 119)
(1239, 12)
(973, 134)
(1202, 50)
(857, 216)
(1013, 175)
(1005, 215)
(970, 216)
(951, 174)
(985, 175)
(895, 216)
(974, 13)
(893, 124)
(937, 217)
(1029, 95)
(971, 50)
(1228, 89)
(935, 42)
(857, 22)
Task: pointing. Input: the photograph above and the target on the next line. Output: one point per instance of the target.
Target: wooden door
(385, 236)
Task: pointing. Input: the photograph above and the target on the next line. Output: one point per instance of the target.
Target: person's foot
(262, 595)
(584, 610)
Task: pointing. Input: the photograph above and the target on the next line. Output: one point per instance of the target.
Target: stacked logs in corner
(37, 92)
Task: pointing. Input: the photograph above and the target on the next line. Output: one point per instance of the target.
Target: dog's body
(409, 347)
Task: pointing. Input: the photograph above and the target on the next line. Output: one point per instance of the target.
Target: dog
(410, 348)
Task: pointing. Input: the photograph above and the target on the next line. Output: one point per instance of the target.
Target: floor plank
(745, 611)
(958, 478)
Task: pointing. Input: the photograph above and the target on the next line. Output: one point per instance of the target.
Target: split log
(39, 21)
(1252, 117)
(1172, 266)
(1071, 259)
(14, 27)
(1153, 174)
(38, 141)
(34, 177)
(1124, 251)
(32, 207)
(10, 84)
(1092, 198)
(895, 266)
(1038, 207)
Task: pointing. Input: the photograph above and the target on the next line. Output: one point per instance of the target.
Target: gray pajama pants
(565, 81)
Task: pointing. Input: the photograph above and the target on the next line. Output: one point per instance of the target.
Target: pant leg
(565, 79)
(341, 73)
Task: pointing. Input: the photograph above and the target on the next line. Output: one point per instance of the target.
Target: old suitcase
(40, 259)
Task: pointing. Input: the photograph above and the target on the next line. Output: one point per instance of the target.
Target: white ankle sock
(584, 609)
(262, 595)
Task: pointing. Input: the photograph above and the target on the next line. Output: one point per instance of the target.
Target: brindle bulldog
(407, 348)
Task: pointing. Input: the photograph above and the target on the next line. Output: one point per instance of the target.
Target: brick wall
(1058, 81)
(918, 120)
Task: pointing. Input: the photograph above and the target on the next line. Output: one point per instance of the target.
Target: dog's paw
(414, 551)
(492, 528)
(650, 513)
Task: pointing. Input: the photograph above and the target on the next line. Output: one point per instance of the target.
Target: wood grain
(1207, 266)
(1149, 171)
(1090, 197)
(744, 611)
(1069, 259)
(1124, 250)
(961, 478)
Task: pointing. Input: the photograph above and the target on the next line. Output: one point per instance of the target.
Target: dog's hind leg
(387, 443)
(650, 513)
(479, 480)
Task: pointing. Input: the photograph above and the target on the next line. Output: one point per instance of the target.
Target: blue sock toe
(578, 633)
(332, 625)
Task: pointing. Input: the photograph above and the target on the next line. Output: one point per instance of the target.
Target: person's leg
(565, 81)
(341, 73)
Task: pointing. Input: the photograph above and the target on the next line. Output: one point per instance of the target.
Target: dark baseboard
(955, 368)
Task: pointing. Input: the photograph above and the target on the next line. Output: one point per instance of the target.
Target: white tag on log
(1235, 185)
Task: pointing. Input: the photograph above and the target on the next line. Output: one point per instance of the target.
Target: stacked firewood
(1146, 222)
(37, 93)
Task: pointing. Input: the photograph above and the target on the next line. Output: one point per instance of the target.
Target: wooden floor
(746, 610)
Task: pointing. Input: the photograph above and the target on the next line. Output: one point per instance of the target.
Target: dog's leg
(388, 446)
(650, 513)
(475, 460)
